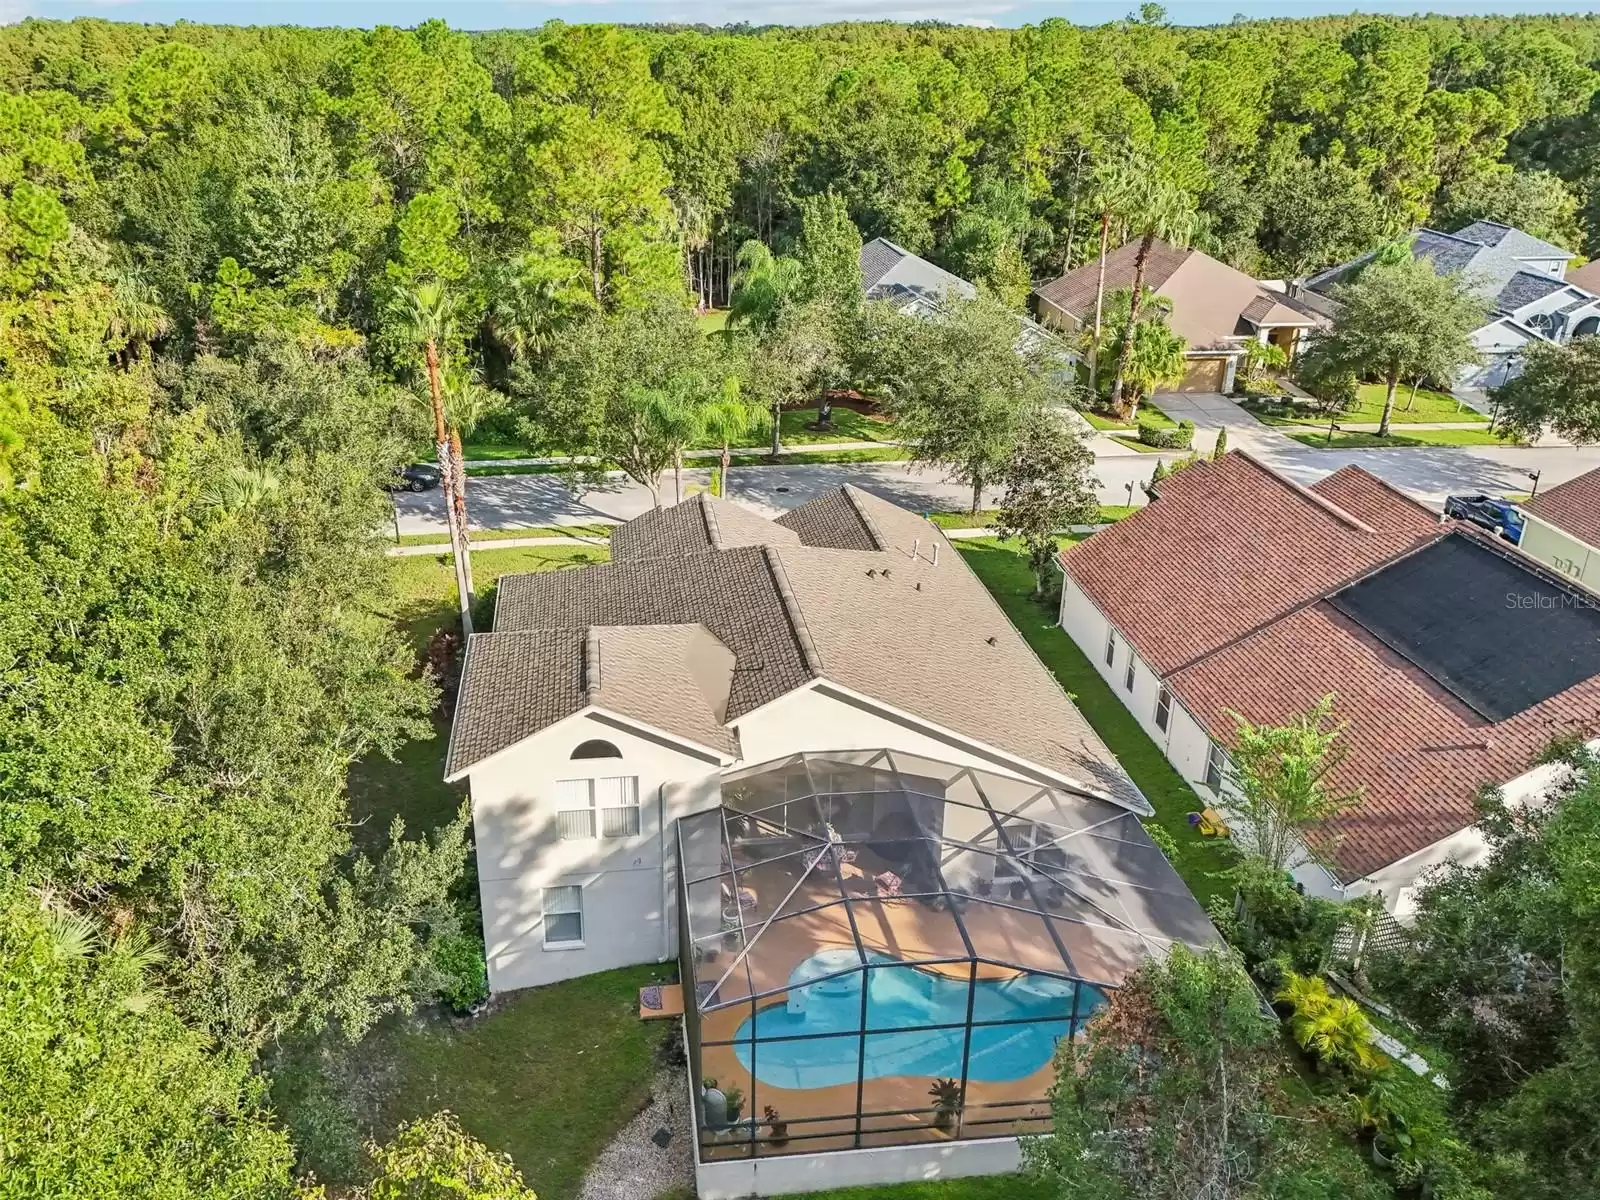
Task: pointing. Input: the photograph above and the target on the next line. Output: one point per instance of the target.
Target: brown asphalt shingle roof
(1213, 305)
(1573, 507)
(831, 520)
(887, 623)
(700, 523)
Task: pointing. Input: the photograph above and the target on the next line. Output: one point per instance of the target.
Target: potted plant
(983, 886)
(735, 1099)
(777, 1127)
(946, 1095)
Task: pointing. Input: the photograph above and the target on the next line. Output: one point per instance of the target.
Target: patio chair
(888, 883)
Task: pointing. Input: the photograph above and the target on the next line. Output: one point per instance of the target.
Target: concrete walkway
(582, 459)
(423, 549)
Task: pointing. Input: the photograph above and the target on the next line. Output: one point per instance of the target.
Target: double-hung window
(1128, 675)
(618, 799)
(1111, 648)
(608, 807)
(1163, 709)
(1216, 766)
(563, 915)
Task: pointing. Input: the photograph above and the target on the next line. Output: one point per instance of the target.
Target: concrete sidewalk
(583, 459)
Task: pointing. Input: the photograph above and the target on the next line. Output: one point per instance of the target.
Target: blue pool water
(901, 1001)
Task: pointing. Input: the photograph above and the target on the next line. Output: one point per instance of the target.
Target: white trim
(721, 757)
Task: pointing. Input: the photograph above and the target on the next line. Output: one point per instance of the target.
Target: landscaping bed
(1357, 440)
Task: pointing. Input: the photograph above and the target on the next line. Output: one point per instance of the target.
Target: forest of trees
(237, 264)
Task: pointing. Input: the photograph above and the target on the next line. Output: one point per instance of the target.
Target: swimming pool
(902, 1000)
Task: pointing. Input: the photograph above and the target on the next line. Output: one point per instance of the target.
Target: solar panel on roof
(1490, 631)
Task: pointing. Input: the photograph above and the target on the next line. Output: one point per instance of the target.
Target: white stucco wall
(1555, 548)
(627, 882)
(818, 719)
(790, 1173)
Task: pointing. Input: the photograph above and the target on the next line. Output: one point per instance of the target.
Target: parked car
(418, 477)
(1489, 511)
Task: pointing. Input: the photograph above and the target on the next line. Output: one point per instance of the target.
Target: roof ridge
(873, 532)
(1454, 237)
(791, 608)
(591, 660)
(713, 530)
(1302, 490)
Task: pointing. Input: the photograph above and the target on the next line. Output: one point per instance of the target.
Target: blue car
(1491, 512)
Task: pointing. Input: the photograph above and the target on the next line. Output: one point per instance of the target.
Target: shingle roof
(1525, 288)
(891, 271)
(1586, 277)
(1230, 546)
(831, 520)
(1494, 258)
(887, 622)
(700, 523)
(1573, 506)
(1214, 306)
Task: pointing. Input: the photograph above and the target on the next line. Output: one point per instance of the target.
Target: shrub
(1167, 439)
(464, 976)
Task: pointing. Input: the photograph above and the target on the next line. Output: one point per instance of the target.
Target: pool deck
(902, 928)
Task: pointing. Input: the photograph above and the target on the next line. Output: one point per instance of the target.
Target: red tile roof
(1573, 507)
(1416, 753)
(1219, 586)
(1229, 546)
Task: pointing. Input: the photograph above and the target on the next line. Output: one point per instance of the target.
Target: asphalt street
(1428, 473)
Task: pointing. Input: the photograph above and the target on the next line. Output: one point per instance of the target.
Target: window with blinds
(618, 799)
(608, 806)
(575, 809)
(563, 915)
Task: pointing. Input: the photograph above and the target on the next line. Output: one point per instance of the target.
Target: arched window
(596, 748)
(1587, 327)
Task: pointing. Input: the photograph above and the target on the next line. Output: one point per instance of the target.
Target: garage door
(1204, 375)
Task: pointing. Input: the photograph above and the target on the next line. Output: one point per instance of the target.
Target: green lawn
(476, 451)
(1134, 443)
(1149, 414)
(799, 457)
(1005, 572)
(848, 426)
(1429, 406)
(714, 321)
(1353, 440)
(547, 1076)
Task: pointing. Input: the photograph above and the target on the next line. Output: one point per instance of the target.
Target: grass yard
(848, 426)
(713, 321)
(1353, 440)
(476, 451)
(547, 1075)
(1429, 406)
(801, 457)
(1133, 443)
(1005, 573)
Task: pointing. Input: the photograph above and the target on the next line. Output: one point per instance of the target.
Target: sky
(504, 14)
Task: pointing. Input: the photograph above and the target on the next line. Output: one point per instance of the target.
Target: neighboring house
(1454, 659)
(914, 285)
(1523, 280)
(791, 754)
(1217, 310)
(1561, 527)
(1586, 277)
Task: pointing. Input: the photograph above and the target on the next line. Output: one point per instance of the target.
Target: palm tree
(239, 490)
(535, 297)
(1113, 186)
(1165, 212)
(429, 314)
(727, 417)
(137, 317)
(762, 285)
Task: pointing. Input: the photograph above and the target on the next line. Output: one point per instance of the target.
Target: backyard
(550, 1074)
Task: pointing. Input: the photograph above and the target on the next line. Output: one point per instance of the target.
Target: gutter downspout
(661, 847)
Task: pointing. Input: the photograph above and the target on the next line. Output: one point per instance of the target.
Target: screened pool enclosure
(886, 949)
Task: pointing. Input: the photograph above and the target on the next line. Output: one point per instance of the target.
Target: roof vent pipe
(936, 554)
